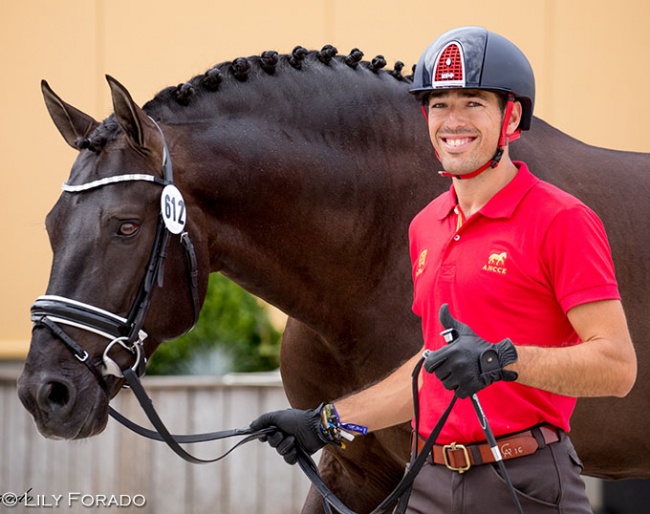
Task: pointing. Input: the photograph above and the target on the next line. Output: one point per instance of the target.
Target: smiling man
(463, 125)
(521, 274)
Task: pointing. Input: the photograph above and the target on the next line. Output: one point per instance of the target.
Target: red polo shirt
(513, 269)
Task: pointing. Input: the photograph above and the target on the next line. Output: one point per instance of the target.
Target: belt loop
(539, 437)
(476, 454)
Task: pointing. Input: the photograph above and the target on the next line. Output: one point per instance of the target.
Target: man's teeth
(457, 142)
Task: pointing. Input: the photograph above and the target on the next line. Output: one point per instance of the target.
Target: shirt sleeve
(579, 259)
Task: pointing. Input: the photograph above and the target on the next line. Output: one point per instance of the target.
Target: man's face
(464, 127)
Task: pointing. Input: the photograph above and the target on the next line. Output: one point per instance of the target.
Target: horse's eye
(128, 229)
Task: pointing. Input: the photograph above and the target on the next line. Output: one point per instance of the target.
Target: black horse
(300, 174)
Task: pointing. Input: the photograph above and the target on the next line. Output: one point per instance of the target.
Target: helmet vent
(450, 67)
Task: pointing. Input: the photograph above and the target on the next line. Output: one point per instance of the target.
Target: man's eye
(128, 229)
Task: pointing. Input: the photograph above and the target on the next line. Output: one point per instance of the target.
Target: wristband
(333, 430)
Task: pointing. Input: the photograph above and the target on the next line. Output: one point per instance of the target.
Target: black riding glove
(295, 428)
(469, 363)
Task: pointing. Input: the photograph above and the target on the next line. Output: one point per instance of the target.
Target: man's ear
(515, 117)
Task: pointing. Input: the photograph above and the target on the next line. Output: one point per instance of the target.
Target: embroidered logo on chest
(496, 262)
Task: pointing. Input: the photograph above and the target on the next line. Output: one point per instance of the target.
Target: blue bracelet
(332, 428)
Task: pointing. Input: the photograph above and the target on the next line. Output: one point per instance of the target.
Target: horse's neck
(307, 222)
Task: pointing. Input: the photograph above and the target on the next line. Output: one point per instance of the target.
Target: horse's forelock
(105, 132)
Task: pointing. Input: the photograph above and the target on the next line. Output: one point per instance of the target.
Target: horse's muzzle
(60, 410)
(65, 401)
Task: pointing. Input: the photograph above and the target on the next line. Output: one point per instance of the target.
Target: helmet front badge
(449, 70)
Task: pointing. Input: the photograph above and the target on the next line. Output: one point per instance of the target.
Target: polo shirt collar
(503, 203)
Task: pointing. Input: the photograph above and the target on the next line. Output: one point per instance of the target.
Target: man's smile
(456, 142)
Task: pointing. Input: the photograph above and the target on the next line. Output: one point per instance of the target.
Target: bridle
(51, 310)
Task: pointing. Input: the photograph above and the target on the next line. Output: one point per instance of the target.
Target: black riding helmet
(474, 58)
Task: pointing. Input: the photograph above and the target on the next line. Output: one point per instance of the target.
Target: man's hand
(468, 363)
(295, 429)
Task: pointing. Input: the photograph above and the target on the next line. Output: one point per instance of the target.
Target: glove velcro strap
(494, 359)
(507, 352)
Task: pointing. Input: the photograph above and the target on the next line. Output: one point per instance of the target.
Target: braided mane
(240, 70)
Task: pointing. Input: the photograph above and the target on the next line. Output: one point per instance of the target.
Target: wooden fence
(120, 467)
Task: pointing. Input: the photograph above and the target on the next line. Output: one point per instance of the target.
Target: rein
(400, 493)
(50, 311)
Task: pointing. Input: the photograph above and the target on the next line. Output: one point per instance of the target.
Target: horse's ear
(71, 122)
(131, 118)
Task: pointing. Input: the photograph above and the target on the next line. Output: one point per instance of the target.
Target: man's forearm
(368, 407)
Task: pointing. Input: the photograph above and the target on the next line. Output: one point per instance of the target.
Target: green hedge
(233, 333)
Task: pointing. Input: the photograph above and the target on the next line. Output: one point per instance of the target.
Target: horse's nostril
(54, 395)
(58, 394)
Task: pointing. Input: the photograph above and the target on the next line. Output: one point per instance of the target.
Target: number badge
(172, 207)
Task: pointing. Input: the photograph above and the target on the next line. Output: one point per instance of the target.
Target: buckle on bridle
(455, 447)
(82, 357)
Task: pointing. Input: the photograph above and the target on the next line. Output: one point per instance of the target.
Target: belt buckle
(454, 447)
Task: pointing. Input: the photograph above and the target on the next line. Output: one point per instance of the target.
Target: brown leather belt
(460, 457)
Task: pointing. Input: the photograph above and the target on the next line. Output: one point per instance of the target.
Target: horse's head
(115, 238)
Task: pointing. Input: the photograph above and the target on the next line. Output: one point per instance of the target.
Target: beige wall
(591, 59)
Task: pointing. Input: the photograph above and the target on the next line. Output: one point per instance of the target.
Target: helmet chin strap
(504, 139)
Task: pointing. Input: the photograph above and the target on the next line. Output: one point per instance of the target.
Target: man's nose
(455, 118)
